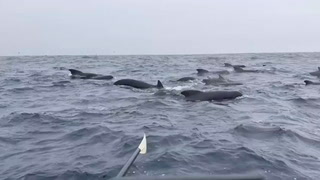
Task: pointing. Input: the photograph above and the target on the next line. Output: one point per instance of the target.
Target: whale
(195, 95)
(209, 81)
(138, 84)
(184, 79)
(311, 82)
(230, 65)
(221, 81)
(76, 74)
(240, 70)
(316, 73)
(202, 72)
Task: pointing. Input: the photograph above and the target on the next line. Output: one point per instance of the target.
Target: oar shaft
(126, 167)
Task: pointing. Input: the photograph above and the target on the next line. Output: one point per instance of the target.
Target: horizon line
(177, 54)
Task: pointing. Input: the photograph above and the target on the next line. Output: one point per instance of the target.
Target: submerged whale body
(230, 65)
(210, 81)
(221, 81)
(240, 70)
(186, 79)
(311, 82)
(316, 73)
(202, 72)
(195, 95)
(138, 84)
(76, 74)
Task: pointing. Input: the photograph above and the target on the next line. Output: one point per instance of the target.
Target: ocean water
(54, 127)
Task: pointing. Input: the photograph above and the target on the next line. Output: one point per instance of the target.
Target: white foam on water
(178, 88)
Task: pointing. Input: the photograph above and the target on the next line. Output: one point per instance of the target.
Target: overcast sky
(77, 27)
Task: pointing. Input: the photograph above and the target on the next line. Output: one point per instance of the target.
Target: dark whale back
(189, 93)
(227, 65)
(194, 95)
(308, 82)
(186, 79)
(316, 73)
(242, 66)
(230, 65)
(209, 80)
(221, 95)
(202, 71)
(138, 84)
(238, 69)
(311, 82)
(81, 75)
(104, 77)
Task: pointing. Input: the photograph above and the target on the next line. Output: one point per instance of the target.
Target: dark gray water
(54, 127)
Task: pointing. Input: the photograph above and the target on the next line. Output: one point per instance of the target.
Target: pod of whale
(195, 95)
(138, 84)
(76, 74)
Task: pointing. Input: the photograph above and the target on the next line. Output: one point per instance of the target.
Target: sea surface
(55, 127)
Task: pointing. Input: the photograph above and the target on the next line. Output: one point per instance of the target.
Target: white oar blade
(143, 145)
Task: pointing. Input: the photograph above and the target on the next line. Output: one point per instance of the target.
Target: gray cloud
(50, 27)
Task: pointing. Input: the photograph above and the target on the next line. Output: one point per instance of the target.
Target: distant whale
(138, 84)
(311, 83)
(194, 95)
(209, 81)
(202, 72)
(221, 81)
(240, 70)
(230, 65)
(316, 73)
(186, 79)
(81, 75)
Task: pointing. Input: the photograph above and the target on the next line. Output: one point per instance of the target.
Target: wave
(31, 119)
(304, 100)
(22, 89)
(261, 133)
(258, 132)
(61, 83)
(60, 68)
(69, 174)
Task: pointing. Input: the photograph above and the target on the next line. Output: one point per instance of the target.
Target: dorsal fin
(318, 68)
(75, 72)
(221, 77)
(159, 85)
